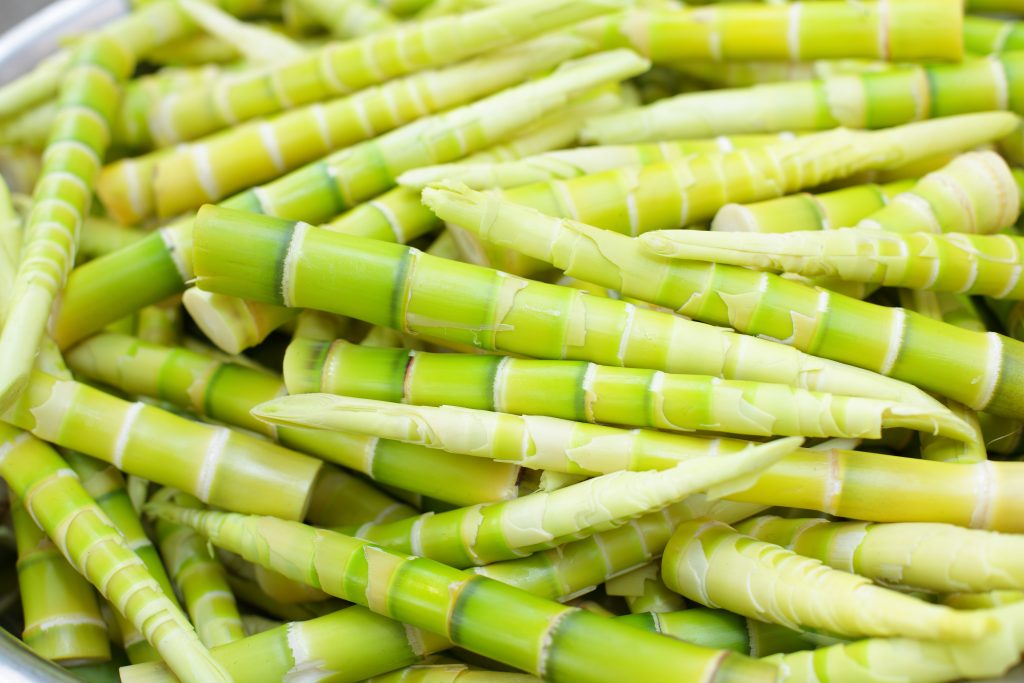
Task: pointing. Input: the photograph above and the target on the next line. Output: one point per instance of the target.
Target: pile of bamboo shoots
(493, 341)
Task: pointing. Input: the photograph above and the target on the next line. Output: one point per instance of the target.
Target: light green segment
(220, 466)
(959, 263)
(491, 533)
(903, 345)
(89, 96)
(711, 563)
(575, 390)
(208, 170)
(454, 672)
(61, 614)
(903, 31)
(345, 67)
(482, 615)
(226, 392)
(938, 558)
(54, 497)
(869, 100)
(378, 645)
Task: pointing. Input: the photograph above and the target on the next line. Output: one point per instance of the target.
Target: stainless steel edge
(25, 45)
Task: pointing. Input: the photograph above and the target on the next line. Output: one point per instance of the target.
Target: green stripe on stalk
(216, 464)
(87, 538)
(226, 392)
(893, 342)
(61, 614)
(482, 615)
(575, 390)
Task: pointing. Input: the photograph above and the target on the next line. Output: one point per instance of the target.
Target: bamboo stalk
(78, 141)
(62, 617)
(869, 100)
(932, 557)
(705, 560)
(578, 161)
(985, 35)
(226, 392)
(353, 65)
(888, 341)
(634, 200)
(807, 211)
(347, 18)
(485, 534)
(159, 265)
(216, 167)
(719, 628)
(217, 465)
(914, 661)
(105, 485)
(587, 392)
(556, 574)
(961, 263)
(596, 330)
(904, 31)
(466, 608)
(138, 33)
(842, 483)
(87, 538)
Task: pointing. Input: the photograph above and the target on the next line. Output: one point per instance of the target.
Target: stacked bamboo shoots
(480, 341)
